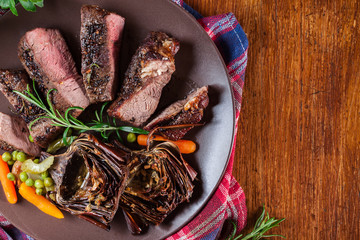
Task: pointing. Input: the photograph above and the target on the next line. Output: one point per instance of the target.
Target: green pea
(39, 191)
(44, 174)
(11, 162)
(36, 160)
(21, 156)
(48, 182)
(31, 138)
(10, 176)
(39, 183)
(29, 182)
(23, 176)
(14, 154)
(131, 137)
(6, 156)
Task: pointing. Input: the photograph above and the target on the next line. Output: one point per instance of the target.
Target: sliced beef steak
(100, 36)
(14, 135)
(47, 59)
(187, 111)
(42, 131)
(11, 80)
(149, 71)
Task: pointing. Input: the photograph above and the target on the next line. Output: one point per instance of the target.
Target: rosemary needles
(263, 224)
(67, 121)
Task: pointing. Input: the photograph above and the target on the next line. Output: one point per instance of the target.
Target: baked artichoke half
(159, 180)
(89, 179)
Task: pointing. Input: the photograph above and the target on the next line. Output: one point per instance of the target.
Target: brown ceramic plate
(198, 63)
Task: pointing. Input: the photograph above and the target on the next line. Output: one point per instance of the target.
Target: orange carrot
(185, 146)
(39, 201)
(8, 186)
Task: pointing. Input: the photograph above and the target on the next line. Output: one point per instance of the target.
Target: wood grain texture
(298, 147)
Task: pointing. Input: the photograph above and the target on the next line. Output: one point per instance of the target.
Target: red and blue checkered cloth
(228, 201)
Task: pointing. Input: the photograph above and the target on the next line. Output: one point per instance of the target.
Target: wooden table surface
(298, 147)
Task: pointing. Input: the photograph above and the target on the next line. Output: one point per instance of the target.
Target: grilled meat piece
(100, 36)
(42, 130)
(11, 80)
(14, 135)
(47, 59)
(150, 70)
(187, 111)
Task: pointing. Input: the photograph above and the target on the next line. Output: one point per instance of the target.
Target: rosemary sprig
(68, 121)
(263, 224)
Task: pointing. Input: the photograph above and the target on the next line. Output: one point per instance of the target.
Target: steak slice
(47, 59)
(14, 135)
(149, 71)
(42, 130)
(187, 111)
(100, 36)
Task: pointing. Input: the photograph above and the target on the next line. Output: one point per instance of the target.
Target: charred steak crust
(6, 147)
(27, 58)
(187, 111)
(42, 130)
(100, 38)
(149, 71)
(157, 46)
(18, 80)
(46, 57)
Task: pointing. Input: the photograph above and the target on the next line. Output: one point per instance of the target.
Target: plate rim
(233, 129)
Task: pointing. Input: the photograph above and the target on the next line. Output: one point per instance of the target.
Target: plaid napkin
(228, 201)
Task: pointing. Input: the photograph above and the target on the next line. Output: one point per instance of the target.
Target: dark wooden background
(298, 147)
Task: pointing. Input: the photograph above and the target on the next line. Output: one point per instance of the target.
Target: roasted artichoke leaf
(159, 180)
(89, 179)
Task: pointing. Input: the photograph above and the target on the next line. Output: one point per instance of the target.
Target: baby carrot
(8, 186)
(185, 146)
(39, 201)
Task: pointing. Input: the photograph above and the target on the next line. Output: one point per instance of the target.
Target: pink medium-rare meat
(46, 58)
(42, 130)
(14, 135)
(100, 37)
(149, 71)
(187, 111)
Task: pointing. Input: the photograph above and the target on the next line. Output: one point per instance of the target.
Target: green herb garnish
(262, 225)
(90, 71)
(28, 5)
(105, 128)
